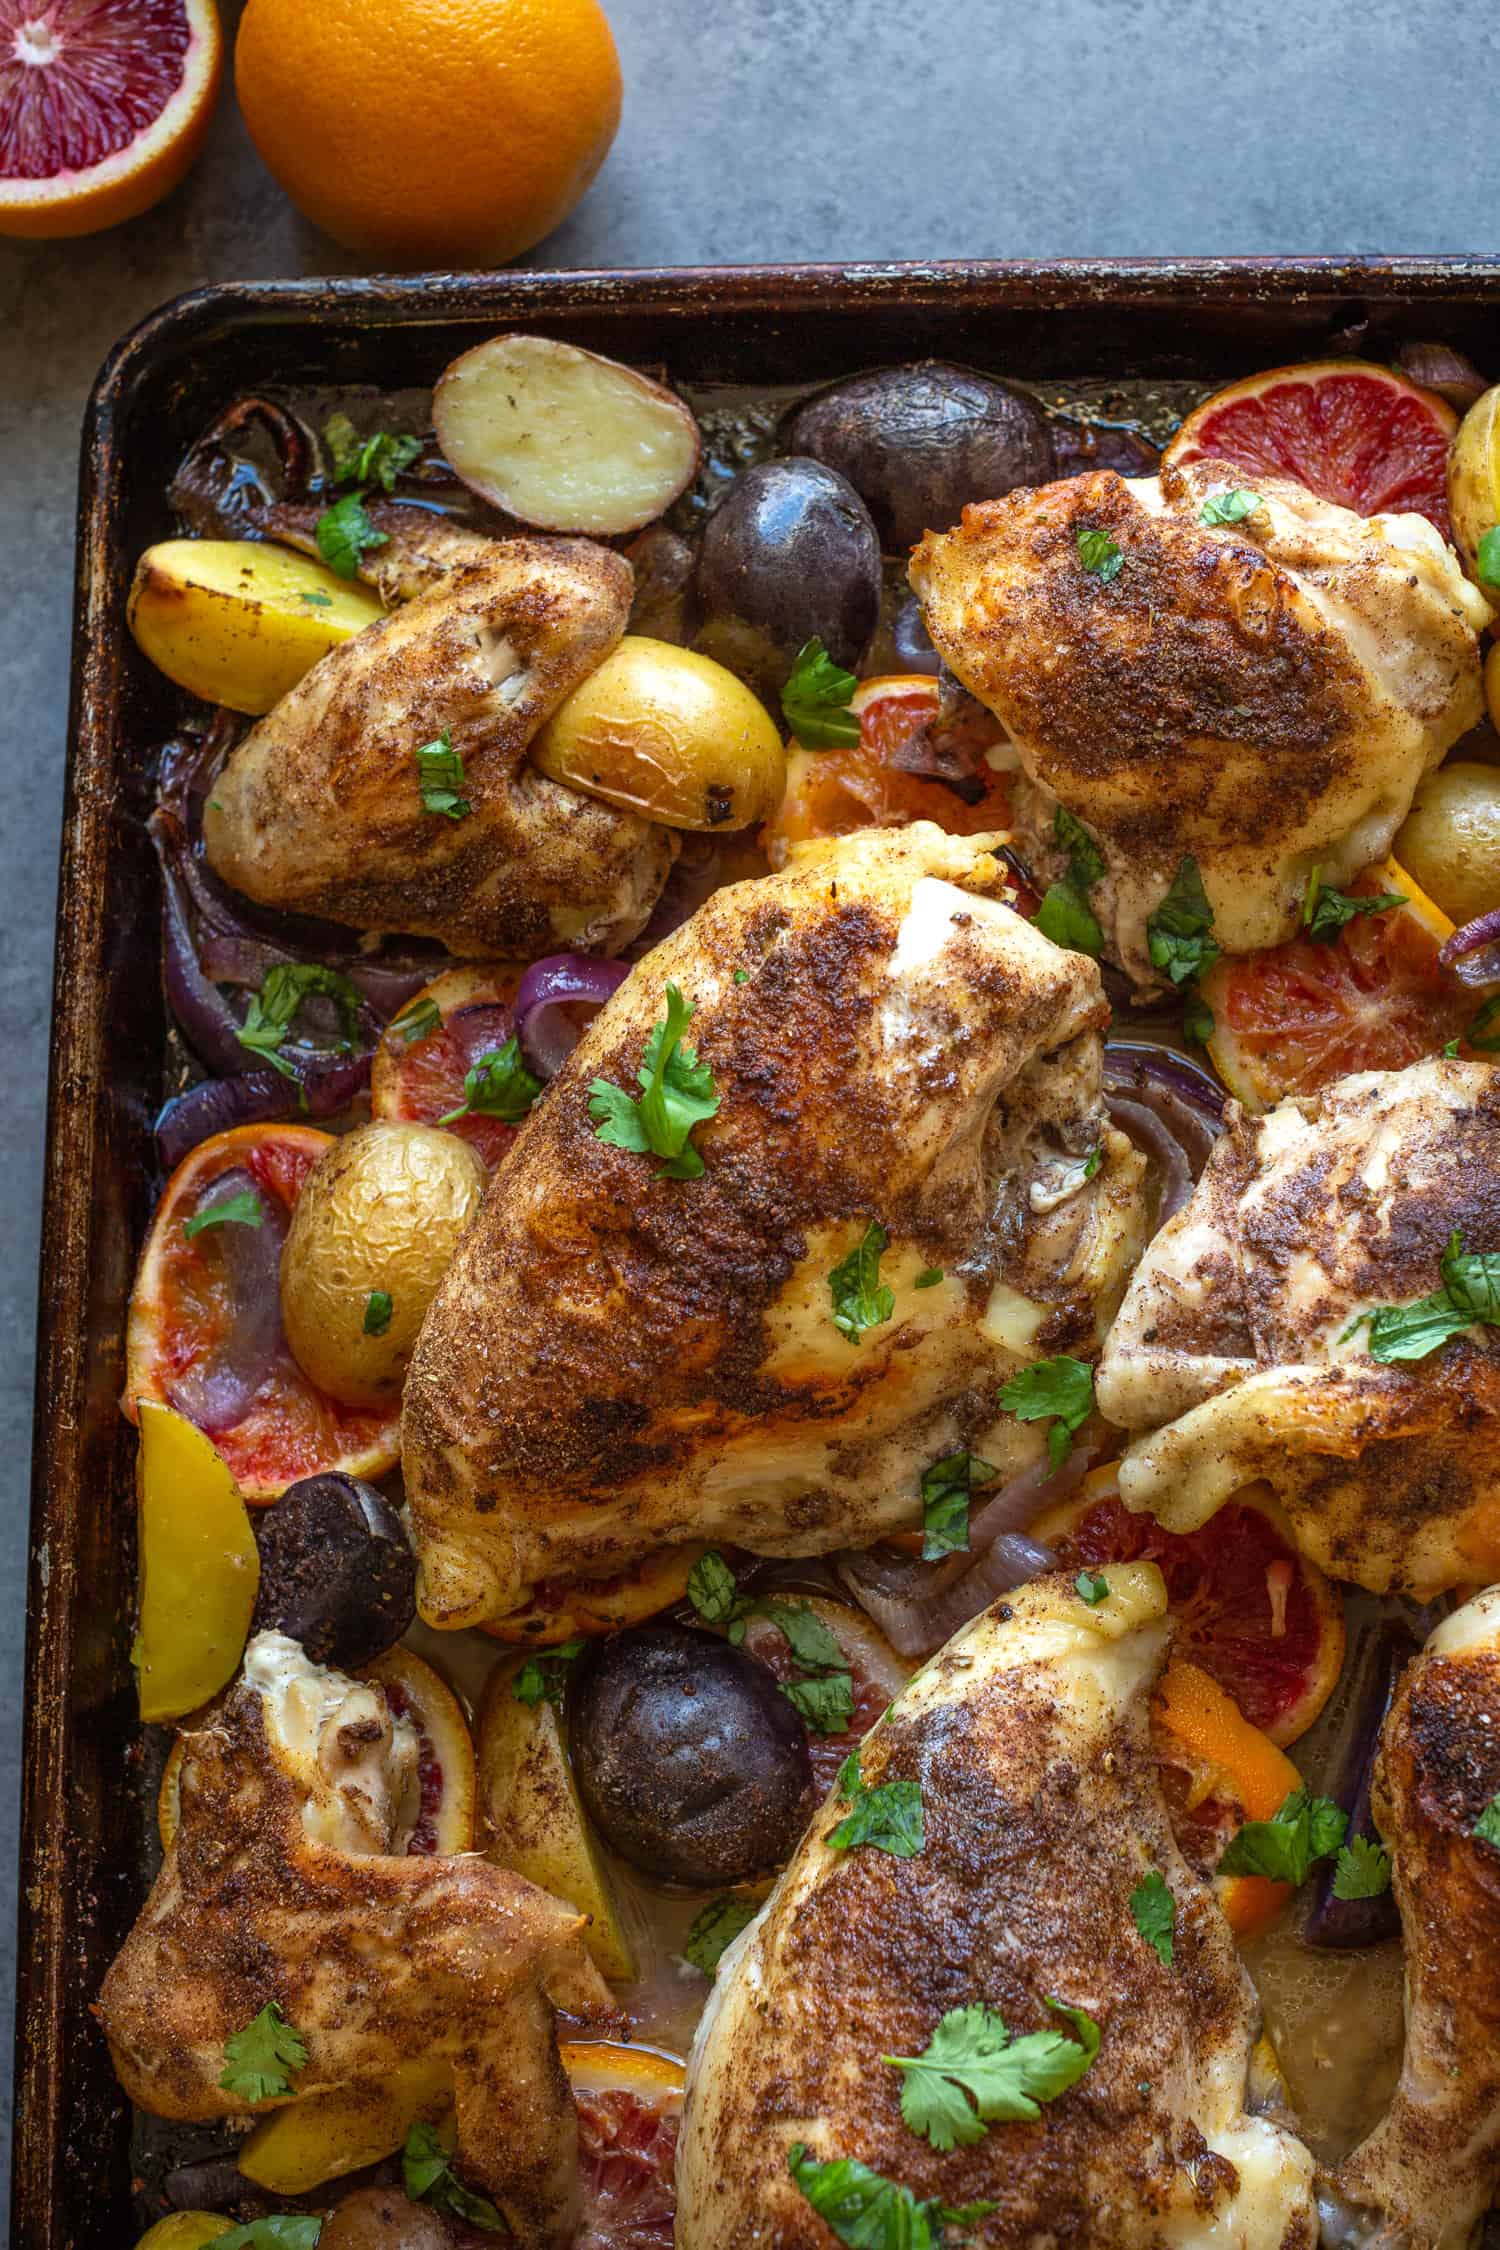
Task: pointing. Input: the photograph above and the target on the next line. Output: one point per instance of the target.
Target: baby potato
(669, 734)
(1474, 481)
(372, 1235)
(239, 622)
(1450, 840)
(184, 2230)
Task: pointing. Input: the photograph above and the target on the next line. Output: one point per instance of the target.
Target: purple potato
(789, 553)
(336, 1572)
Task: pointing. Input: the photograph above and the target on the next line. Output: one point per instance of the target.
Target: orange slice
(445, 1750)
(1217, 1772)
(416, 1081)
(629, 2109)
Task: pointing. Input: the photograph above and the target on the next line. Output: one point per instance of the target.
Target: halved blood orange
(1349, 430)
(560, 1609)
(103, 106)
(417, 1080)
(445, 1750)
(1254, 1613)
(1297, 1016)
(1217, 1772)
(876, 1674)
(835, 792)
(204, 1330)
(629, 2109)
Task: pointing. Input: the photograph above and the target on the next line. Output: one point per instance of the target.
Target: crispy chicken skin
(1264, 695)
(1041, 1813)
(319, 808)
(618, 1361)
(1231, 1352)
(1428, 2173)
(287, 1882)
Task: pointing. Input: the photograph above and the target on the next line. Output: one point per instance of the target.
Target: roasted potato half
(239, 622)
(1450, 839)
(1474, 482)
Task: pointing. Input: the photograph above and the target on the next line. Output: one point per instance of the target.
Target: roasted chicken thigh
(1041, 1816)
(288, 1881)
(1243, 1349)
(618, 1361)
(1263, 696)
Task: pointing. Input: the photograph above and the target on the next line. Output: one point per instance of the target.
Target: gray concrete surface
(754, 129)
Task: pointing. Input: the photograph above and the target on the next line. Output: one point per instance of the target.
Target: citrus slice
(560, 1609)
(103, 106)
(629, 2103)
(1297, 1016)
(835, 792)
(445, 1751)
(204, 1330)
(1218, 1771)
(876, 1674)
(1350, 431)
(1252, 1612)
(418, 1072)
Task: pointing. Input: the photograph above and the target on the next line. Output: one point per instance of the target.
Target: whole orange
(430, 132)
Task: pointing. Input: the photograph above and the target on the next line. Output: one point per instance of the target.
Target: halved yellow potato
(325, 2135)
(669, 734)
(185, 2230)
(530, 1806)
(563, 438)
(1474, 480)
(1450, 840)
(199, 1567)
(239, 622)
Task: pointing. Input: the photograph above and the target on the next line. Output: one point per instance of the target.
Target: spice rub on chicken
(1309, 1318)
(1262, 695)
(909, 1189)
(995, 1912)
(321, 808)
(289, 1881)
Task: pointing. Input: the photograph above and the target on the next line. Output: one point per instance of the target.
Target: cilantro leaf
(1154, 1910)
(972, 2055)
(806, 1635)
(1303, 1830)
(868, 2211)
(242, 1210)
(377, 459)
(1085, 860)
(677, 1094)
(274, 1009)
(1059, 1391)
(378, 1309)
(419, 1021)
(825, 1700)
(274, 2230)
(816, 700)
(888, 1818)
(261, 2060)
(715, 1929)
(946, 1487)
(929, 1277)
(1229, 506)
(861, 1299)
(826, 1705)
(1091, 1586)
(1178, 934)
(440, 778)
(345, 535)
(316, 598)
(544, 1677)
(1470, 1293)
(1487, 1826)
(429, 2177)
(1097, 552)
(1488, 560)
(1326, 911)
(1472, 1280)
(1363, 1869)
(712, 1590)
(1197, 1020)
(1066, 917)
(497, 1085)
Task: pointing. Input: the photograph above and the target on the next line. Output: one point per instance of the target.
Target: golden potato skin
(239, 621)
(667, 733)
(382, 1210)
(375, 2218)
(1450, 840)
(1474, 478)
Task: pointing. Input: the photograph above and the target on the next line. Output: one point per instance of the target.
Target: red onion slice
(256, 1097)
(557, 998)
(1438, 367)
(218, 1391)
(1153, 1139)
(1472, 954)
(482, 1028)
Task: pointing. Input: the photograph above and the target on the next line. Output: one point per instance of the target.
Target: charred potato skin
(919, 443)
(789, 553)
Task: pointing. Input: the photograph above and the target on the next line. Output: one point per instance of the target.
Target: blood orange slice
(867, 785)
(1299, 1015)
(1254, 1613)
(204, 1330)
(445, 1751)
(103, 106)
(421, 1062)
(1218, 1771)
(629, 2110)
(1347, 429)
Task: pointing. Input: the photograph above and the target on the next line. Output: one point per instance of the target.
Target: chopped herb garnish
(440, 778)
(419, 1021)
(973, 2057)
(377, 459)
(1092, 1161)
(713, 1592)
(244, 1209)
(377, 1312)
(273, 2230)
(677, 1094)
(1326, 911)
(274, 1009)
(345, 535)
(1066, 917)
(928, 1278)
(825, 1705)
(861, 1299)
(1480, 1023)
(497, 1085)
(1487, 562)
(261, 2061)
(715, 1929)
(1197, 1020)
(1487, 1826)
(1230, 506)
(1097, 552)
(816, 700)
(1178, 933)
(429, 2177)
(887, 1818)
(1284, 1848)
(824, 1697)
(1154, 1911)
(946, 1488)
(545, 1675)
(1091, 1586)
(1085, 860)
(1363, 1869)
(1059, 1391)
(868, 2211)
(742, 976)
(319, 600)
(1470, 1293)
